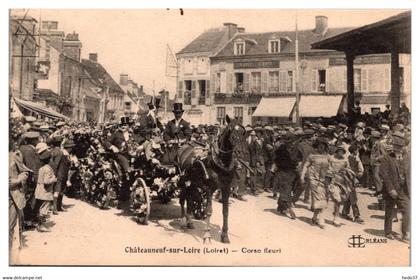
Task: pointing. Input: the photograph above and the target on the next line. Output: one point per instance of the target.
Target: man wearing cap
(387, 112)
(177, 129)
(28, 122)
(267, 142)
(255, 159)
(61, 171)
(305, 148)
(379, 150)
(396, 191)
(32, 161)
(286, 162)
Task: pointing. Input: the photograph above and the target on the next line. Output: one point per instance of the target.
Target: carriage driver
(177, 129)
(117, 141)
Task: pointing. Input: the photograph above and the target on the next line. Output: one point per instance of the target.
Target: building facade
(194, 72)
(23, 67)
(250, 67)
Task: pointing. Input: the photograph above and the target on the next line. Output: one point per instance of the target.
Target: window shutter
(327, 81)
(387, 78)
(180, 89)
(282, 81)
(344, 84)
(193, 93)
(207, 88)
(212, 83)
(223, 82)
(314, 80)
(264, 78)
(407, 80)
(364, 80)
(246, 82)
(195, 65)
(294, 89)
(229, 83)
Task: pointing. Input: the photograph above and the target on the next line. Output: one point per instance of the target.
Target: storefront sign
(256, 64)
(362, 60)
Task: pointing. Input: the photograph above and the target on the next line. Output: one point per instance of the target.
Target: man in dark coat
(61, 171)
(395, 186)
(150, 119)
(117, 141)
(32, 161)
(177, 129)
(304, 149)
(117, 144)
(56, 159)
(255, 159)
(286, 172)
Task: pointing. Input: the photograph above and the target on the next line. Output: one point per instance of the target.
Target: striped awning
(39, 109)
(275, 107)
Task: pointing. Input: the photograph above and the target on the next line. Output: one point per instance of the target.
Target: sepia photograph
(209, 137)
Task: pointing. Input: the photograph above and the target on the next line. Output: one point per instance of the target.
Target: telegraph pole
(297, 84)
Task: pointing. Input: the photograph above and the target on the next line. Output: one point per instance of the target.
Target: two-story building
(23, 67)
(254, 76)
(193, 72)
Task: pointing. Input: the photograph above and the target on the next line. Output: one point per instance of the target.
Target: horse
(213, 171)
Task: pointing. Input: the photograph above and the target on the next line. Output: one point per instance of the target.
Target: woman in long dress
(339, 186)
(317, 166)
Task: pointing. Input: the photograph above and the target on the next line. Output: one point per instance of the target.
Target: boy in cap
(44, 188)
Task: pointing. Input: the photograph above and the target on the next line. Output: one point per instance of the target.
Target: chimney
(241, 29)
(93, 57)
(232, 28)
(72, 46)
(321, 25)
(123, 78)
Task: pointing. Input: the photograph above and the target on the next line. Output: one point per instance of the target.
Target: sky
(134, 41)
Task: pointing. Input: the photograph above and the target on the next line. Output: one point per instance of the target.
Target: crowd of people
(323, 161)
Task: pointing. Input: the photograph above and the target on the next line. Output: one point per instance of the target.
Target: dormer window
(239, 48)
(274, 46)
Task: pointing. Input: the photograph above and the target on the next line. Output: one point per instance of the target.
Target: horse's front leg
(182, 203)
(209, 211)
(225, 202)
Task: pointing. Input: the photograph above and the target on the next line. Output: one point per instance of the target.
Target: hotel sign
(362, 60)
(256, 64)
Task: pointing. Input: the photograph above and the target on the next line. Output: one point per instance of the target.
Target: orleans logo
(356, 241)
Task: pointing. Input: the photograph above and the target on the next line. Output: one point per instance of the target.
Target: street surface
(86, 235)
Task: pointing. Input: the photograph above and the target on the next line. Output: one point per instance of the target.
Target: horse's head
(231, 135)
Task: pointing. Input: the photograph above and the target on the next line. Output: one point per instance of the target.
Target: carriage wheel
(140, 200)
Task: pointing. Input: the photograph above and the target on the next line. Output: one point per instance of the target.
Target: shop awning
(275, 107)
(38, 108)
(319, 105)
